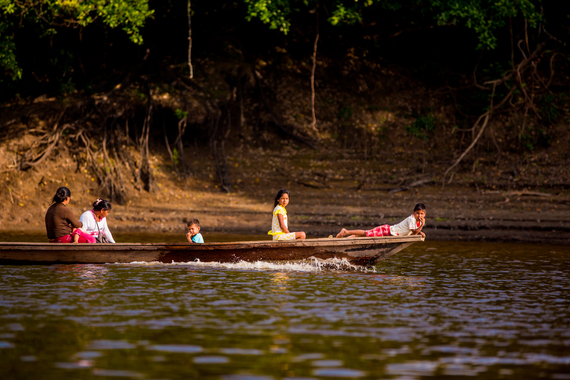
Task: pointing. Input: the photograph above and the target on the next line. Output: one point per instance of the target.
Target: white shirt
(90, 225)
(405, 227)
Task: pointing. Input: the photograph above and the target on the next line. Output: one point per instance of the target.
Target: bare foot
(342, 233)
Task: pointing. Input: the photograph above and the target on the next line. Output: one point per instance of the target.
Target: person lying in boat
(279, 227)
(61, 225)
(412, 225)
(194, 235)
(95, 221)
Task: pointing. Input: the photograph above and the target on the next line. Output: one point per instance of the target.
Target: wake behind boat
(365, 251)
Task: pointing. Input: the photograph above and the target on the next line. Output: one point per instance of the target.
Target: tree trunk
(314, 123)
(189, 12)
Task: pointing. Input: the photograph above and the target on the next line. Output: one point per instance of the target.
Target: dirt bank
(327, 193)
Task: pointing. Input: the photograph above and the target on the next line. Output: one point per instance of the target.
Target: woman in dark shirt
(61, 225)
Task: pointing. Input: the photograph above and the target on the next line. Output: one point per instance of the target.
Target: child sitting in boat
(194, 235)
(279, 226)
(412, 225)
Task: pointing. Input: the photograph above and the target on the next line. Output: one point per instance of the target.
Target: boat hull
(358, 251)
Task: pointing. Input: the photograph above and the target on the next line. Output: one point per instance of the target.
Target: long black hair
(101, 204)
(279, 194)
(61, 195)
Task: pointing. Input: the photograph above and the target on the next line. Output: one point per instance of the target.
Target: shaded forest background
(413, 84)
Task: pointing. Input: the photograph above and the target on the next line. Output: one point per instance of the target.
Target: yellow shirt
(275, 225)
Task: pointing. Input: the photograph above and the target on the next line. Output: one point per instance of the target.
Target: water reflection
(93, 276)
(439, 310)
(280, 279)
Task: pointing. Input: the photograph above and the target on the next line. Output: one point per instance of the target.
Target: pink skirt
(83, 237)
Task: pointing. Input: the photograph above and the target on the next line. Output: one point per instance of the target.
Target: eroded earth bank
(327, 192)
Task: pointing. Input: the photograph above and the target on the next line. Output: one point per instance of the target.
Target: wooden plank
(248, 244)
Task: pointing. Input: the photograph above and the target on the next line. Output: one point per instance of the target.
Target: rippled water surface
(435, 310)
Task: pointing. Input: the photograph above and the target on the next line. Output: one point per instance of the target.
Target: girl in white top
(95, 221)
(412, 225)
(279, 227)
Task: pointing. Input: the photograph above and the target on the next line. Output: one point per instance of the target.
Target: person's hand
(189, 237)
(424, 235)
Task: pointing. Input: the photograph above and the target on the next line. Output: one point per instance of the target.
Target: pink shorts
(383, 230)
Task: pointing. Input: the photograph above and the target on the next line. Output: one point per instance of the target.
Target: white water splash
(311, 265)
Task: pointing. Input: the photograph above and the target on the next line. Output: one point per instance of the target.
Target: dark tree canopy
(25, 21)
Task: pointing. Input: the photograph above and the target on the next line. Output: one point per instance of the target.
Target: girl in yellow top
(279, 228)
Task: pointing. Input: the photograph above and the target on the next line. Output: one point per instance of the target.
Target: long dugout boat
(366, 251)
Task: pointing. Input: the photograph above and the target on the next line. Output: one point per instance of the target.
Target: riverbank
(327, 193)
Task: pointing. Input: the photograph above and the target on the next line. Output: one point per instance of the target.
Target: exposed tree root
(524, 83)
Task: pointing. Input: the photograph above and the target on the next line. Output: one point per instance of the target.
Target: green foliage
(175, 156)
(348, 15)
(272, 12)
(8, 53)
(46, 16)
(67, 87)
(276, 12)
(422, 127)
(495, 69)
(138, 94)
(180, 114)
(485, 17)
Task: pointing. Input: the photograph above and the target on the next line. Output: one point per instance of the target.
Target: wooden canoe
(358, 251)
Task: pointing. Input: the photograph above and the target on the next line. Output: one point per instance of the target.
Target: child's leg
(75, 236)
(344, 232)
(300, 235)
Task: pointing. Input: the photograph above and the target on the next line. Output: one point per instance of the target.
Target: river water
(435, 310)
